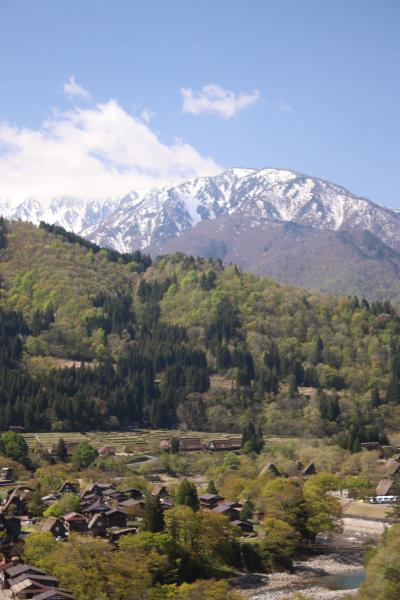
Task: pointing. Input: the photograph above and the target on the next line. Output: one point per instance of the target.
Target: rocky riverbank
(307, 578)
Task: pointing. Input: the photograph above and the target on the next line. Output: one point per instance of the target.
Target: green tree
(186, 494)
(84, 456)
(153, 518)
(280, 541)
(67, 503)
(61, 451)
(13, 445)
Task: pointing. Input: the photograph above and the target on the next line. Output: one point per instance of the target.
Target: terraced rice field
(139, 440)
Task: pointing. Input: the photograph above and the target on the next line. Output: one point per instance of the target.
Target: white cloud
(92, 153)
(214, 98)
(73, 89)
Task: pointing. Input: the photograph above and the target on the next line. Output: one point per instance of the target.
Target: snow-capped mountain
(268, 194)
(163, 214)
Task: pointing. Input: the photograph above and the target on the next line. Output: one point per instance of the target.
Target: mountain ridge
(188, 217)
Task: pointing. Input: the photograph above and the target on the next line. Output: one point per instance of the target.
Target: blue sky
(303, 84)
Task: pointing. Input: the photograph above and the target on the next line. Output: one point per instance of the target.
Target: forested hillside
(92, 338)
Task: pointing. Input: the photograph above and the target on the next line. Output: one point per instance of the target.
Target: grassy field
(367, 511)
(140, 440)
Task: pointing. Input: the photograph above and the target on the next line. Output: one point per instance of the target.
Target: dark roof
(15, 570)
(190, 444)
(40, 578)
(207, 496)
(53, 594)
(310, 469)
(269, 468)
(226, 444)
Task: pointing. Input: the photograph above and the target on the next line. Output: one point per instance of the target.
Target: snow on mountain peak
(162, 214)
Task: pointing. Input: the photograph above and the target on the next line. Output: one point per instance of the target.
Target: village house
(160, 491)
(388, 487)
(270, 469)
(106, 451)
(68, 487)
(117, 535)
(225, 444)
(190, 445)
(229, 509)
(75, 522)
(54, 525)
(6, 475)
(133, 507)
(309, 470)
(54, 594)
(115, 518)
(12, 570)
(98, 506)
(98, 525)
(27, 588)
(209, 500)
(245, 526)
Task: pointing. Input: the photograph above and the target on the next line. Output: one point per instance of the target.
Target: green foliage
(153, 518)
(61, 450)
(14, 446)
(84, 456)
(186, 494)
(66, 504)
(383, 569)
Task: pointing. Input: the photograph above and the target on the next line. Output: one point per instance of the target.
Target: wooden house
(54, 594)
(98, 525)
(133, 507)
(54, 525)
(388, 487)
(75, 522)
(270, 469)
(309, 470)
(190, 444)
(115, 518)
(6, 474)
(27, 588)
(229, 509)
(12, 570)
(68, 487)
(226, 445)
(245, 526)
(118, 534)
(106, 451)
(209, 500)
(159, 490)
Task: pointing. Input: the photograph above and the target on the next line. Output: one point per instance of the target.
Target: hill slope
(184, 342)
(249, 209)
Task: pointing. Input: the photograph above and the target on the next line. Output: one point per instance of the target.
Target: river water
(347, 580)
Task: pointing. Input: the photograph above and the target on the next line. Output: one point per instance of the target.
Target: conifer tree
(186, 495)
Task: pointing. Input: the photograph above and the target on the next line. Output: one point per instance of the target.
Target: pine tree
(61, 451)
(375, 399)
(153, 518)
(211, 487)
(186, 495)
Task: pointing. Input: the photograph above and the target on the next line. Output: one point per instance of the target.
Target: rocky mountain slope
(277, 222)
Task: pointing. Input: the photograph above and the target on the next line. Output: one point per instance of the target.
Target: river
(325, 577)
